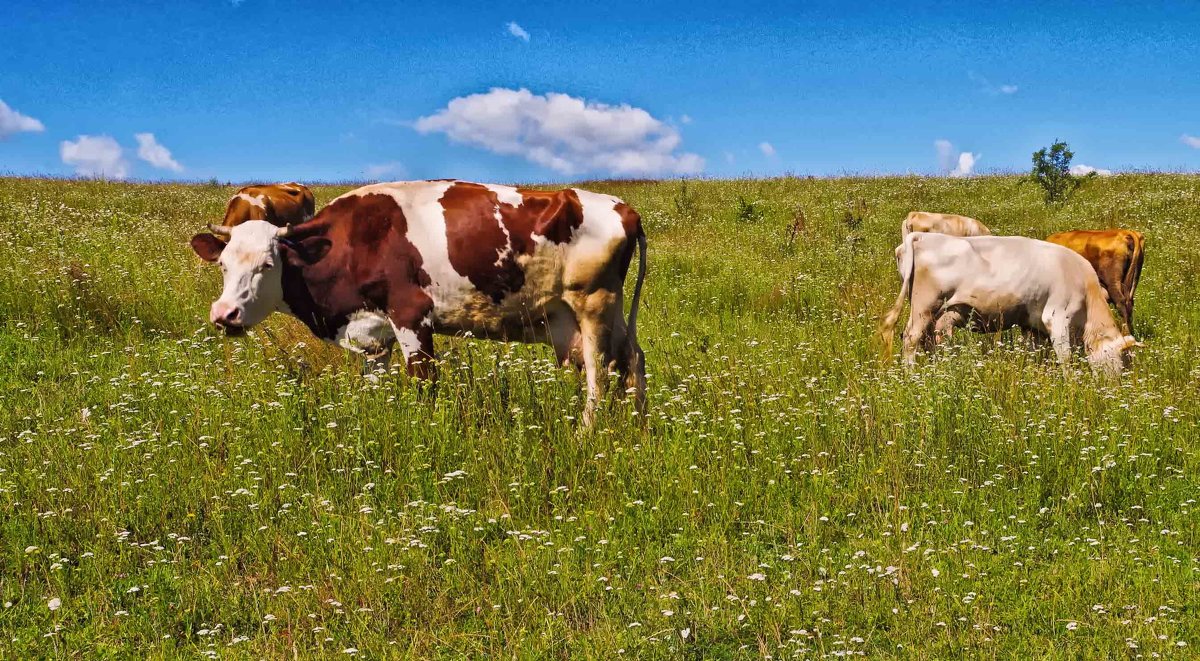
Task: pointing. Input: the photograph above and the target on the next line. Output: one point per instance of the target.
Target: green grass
(790, 494)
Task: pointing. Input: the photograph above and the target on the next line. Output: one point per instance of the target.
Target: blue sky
(261, 90)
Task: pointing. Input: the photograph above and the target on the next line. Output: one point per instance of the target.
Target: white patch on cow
(600, 217)
(254, 200)
(510, 196)
(503, 252)
(410, 344)
(592, 244)
(506, 194)
(368, 333)
(252, 273)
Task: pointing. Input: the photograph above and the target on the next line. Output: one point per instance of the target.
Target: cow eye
(268, 265)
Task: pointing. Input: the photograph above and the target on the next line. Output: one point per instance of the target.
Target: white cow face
(252, 269)
(1114, 356)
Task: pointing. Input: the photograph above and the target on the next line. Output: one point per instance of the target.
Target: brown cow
(1116, 255)
(396, 263)
(278, 204)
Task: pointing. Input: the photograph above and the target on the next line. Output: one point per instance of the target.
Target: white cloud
(564, 133)
(12, 122)
(954, 162)
(381, 170)
(987, 87)
(729, 157)
(767, 149)
(517, 31)
(1082, 170)
(966, 165)
(685, 119)
(95, 156)
(1190, 140)
(155, 154)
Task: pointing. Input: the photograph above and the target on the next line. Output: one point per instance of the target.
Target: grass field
(166, 492)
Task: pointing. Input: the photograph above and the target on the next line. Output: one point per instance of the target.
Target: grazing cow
(942, 223)
(397, 262)
(278, 204)
(1000, 281)
(1117, 257)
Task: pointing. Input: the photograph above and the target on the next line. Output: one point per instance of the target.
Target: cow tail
(907, 266)
(631, 324)
(1134, 272)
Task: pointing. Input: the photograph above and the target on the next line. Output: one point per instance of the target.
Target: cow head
(252, 256)
(1113, 356)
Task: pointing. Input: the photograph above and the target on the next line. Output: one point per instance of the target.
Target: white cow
(942, 223)
(1002, 281)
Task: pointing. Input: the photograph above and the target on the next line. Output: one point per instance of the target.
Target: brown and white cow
(942, 223)
(996, 282)
(278, 204)
(398, 262)
(1117, 256)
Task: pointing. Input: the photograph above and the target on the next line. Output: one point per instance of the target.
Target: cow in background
(942, 223)
(278, 204)
(1117, 256)
(993, 282)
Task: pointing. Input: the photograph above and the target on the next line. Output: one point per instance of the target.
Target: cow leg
(565, 338)
(1117, 296)
(594, 312)
(627, 358)
(633, 372)
(1059, 331)
(920, 318)
(412, 322)
(944, 328)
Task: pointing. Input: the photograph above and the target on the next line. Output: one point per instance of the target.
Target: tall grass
(175, 493)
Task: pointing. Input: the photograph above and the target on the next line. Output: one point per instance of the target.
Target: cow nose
(223, 314)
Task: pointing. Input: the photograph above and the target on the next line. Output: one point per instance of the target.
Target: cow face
(1115, 355)
(252, 270)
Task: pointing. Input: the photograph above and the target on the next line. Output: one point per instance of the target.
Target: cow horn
(283, 231)
(220, 229)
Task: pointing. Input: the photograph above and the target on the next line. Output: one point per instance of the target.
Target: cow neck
(1100, 328)
(301, 304)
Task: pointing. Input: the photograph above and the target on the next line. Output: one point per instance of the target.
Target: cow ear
(307, 251)
(1131, 343)
(207, 246)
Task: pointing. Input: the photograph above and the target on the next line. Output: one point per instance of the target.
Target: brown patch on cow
(554, 215)
(484, 250)
(283, 204)
(479, 248)
(370, 265)
(631, 220)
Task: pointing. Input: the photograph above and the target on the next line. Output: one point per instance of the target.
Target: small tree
(686, 208)
(1052, 171)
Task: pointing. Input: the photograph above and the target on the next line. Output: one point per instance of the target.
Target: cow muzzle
(228, 318)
